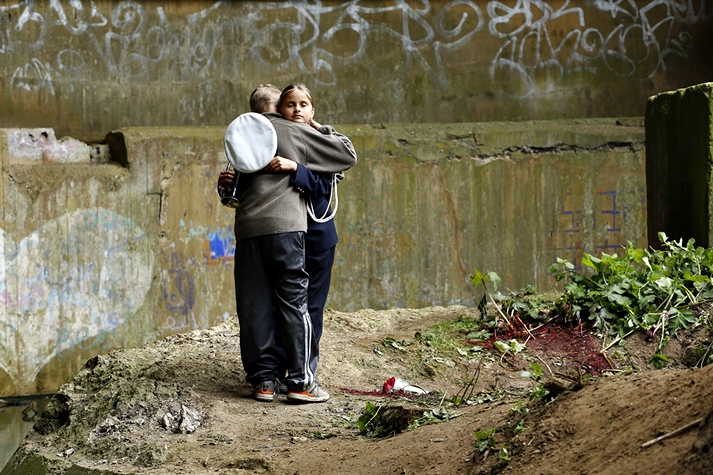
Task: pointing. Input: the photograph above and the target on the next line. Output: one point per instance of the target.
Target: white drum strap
(333, 195)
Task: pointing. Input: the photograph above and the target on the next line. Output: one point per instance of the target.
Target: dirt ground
(119, 415)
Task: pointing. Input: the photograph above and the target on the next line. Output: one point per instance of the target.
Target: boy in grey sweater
(270, 226)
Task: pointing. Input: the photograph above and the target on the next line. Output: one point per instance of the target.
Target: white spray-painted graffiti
(132, 43)
(78, 277)
(136, 48)
(638, 44)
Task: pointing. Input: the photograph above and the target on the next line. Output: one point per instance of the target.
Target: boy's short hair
(264, 98)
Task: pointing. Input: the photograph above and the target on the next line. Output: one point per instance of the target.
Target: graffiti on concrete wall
(178, 285)
(220, 247)
(139, 41)
(638, 42)
(596, 224)
(131, 42)
(179, 290)
(218, 242)
(70, 283)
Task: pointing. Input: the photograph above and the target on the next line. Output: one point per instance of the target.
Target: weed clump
(652, 290)
(656, 291)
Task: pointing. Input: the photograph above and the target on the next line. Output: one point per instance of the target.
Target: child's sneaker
(281, 387)
(314, 394)
(264, 391)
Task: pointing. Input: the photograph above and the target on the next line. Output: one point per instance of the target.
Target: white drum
(250, 142)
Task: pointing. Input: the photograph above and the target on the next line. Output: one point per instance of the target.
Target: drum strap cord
(333, 196)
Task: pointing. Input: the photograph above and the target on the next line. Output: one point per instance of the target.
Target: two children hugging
(284, 260)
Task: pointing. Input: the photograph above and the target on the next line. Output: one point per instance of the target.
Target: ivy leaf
(510, 346)
(638, 255)
(478, 278)
(658, 361)
(664, 283)
(536, 369)
(494, 279)
(682, 319)
(695, 278)
(617, 298)
(591, 261)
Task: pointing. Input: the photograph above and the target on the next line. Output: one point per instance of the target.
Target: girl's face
(297, 107)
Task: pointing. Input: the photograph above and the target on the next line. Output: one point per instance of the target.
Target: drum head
(250, 142)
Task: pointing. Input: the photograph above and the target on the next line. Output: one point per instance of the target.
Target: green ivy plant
(645, 289)
(484, 440)
(527, 303)
(478, 278)
(370, 423)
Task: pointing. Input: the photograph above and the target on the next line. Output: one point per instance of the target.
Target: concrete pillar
(679, 156)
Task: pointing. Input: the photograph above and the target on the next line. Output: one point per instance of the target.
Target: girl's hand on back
(315, 124)
(281, 165)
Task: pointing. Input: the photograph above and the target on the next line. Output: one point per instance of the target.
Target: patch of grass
(447, 338)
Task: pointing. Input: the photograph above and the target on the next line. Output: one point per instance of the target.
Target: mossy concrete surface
(115, 254)
(679, 144)
(426, 205)
(82, 416)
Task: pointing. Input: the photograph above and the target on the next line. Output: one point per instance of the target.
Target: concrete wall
(679, 141)
(97, 254)
(86, 68)
(428, 204)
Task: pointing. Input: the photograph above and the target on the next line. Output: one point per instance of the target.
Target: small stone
(190, 420)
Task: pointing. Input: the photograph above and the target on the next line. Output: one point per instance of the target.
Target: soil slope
(181, 405)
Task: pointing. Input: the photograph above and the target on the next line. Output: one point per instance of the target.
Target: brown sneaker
(314, 394)
(264, 391)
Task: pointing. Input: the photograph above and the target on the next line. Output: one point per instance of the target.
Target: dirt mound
(600, 429)
(181, 405)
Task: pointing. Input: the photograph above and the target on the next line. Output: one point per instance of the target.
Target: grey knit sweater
(268, 204)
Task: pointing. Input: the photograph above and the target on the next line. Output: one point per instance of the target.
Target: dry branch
(679, 431)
